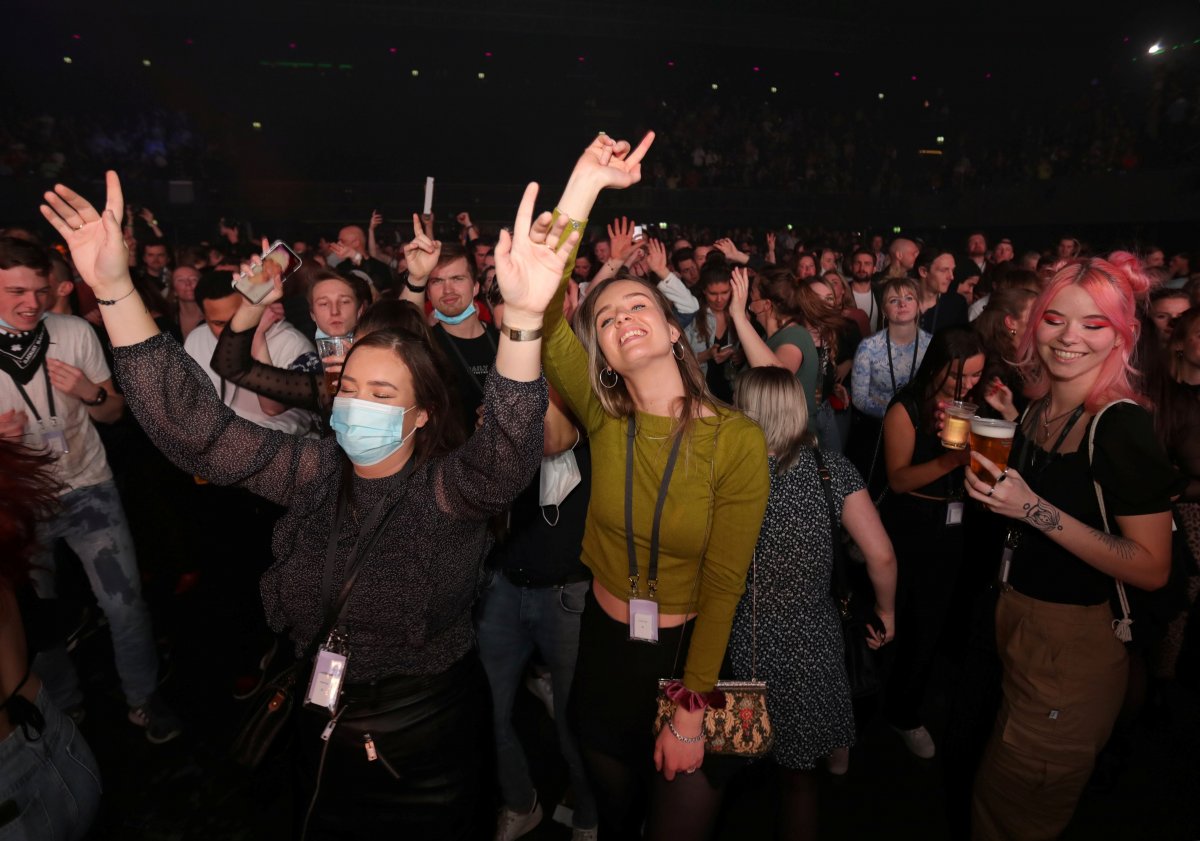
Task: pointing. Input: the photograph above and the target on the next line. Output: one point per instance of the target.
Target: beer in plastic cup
(337, 346)
(956, 431)
(993, 440)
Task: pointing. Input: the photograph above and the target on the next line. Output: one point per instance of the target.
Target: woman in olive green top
(703, 466)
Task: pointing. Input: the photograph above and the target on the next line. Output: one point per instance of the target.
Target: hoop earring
(616, 378)
(676, 345)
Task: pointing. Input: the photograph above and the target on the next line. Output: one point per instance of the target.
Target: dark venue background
(1025, 119)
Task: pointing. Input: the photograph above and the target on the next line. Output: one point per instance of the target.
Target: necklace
(1047, 421)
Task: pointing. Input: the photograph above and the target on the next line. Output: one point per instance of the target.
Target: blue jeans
(824, 425)
(93, 523)
(53, 782)
(513, 620)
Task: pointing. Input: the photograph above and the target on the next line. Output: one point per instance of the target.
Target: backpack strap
(1122, 627)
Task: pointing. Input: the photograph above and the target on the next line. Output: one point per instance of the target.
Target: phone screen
(279, 262)
(639, 232)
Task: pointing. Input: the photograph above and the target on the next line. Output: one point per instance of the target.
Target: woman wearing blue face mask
(389, 520)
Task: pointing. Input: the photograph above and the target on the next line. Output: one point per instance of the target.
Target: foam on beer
(984, 429)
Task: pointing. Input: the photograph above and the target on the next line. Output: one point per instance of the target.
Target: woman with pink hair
(1089, 499)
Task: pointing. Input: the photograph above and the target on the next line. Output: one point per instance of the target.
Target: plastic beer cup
(993, 440)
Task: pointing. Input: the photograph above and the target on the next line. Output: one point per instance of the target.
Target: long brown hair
(616, 401)
(30, 494)
(827, 320)
(778, 286)
(443, 431)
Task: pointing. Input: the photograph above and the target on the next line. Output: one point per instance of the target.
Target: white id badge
(954, 514)
(325, 685)
(643, 620)
(53, 435)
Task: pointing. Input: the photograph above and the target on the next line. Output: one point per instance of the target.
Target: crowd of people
(618, 467)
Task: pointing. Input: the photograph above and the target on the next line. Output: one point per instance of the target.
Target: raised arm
(421, 254)
(168, 393)
(756, 350)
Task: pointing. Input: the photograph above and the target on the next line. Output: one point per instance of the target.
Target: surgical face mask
(368, 432)
(4, 325)
(559, 476)
(455, 319)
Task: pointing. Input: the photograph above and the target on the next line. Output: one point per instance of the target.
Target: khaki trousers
(1064, 683)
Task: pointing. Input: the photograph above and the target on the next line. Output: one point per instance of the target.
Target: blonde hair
(774, 399)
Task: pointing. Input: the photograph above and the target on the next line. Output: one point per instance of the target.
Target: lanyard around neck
(652, 568)
(49, 394)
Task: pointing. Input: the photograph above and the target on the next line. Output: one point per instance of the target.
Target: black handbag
(272, 706)
(852, 593)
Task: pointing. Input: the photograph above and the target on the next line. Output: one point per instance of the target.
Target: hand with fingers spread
(530, 262)
(620, 238)
(421, 253)
(656, 258)
(95, 239)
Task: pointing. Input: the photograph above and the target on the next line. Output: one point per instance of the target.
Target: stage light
(756, 69)
(145, 62)
(66, 59)
(715, 86)
(481, 75)
(76, 37)
(487, 54)
(789, 226)
(416, 73)
(913, 77)
(256, 125)
(392, 50)
(837, 74)
(941, 139)
(895, 229)
(581, 59)
(291, 45)
(662, 226)
(881, 96)
(774, 89)
(1155, 49)
(670, 64)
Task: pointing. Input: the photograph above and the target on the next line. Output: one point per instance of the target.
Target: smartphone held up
(279, 262)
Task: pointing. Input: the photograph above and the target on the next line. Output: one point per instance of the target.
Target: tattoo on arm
(1121, 547)
(1042, 516)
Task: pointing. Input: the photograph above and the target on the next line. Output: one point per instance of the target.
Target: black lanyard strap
(652, 569)
(49, 394)
(371, 529)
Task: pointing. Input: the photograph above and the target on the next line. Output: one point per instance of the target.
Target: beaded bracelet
(109, 302)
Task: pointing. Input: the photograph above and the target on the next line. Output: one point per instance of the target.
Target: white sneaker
(513, 825)
(918, 742)
(838, 761)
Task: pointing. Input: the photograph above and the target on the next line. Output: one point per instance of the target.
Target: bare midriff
(618, 609)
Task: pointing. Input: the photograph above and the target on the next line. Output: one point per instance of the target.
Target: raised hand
(421, 253)
(96, 241)
(731, 252)
(656, 258)
(620, 238)
(610, 164)
(376, 220)
(464, 219)
(739, 293)
(531, 260)
(1000, 397)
